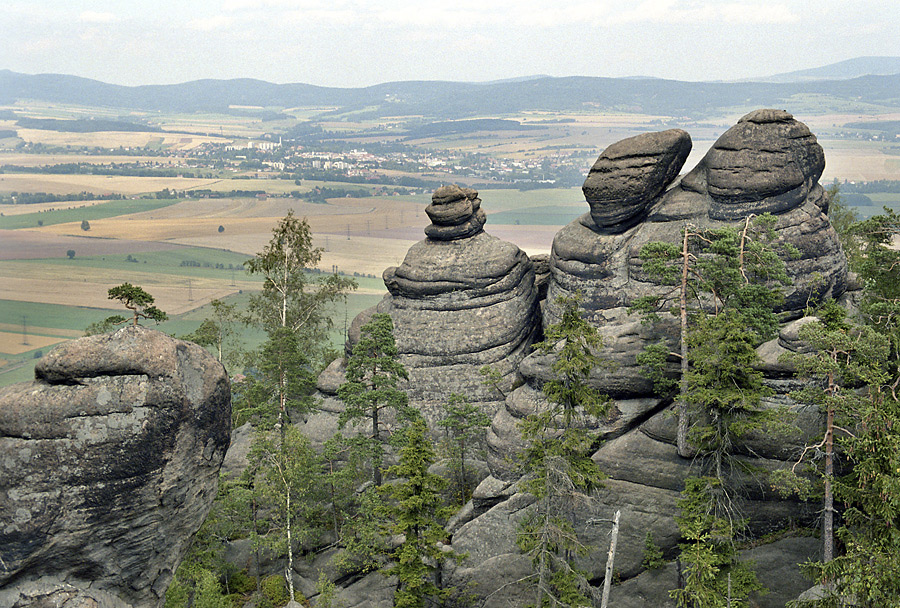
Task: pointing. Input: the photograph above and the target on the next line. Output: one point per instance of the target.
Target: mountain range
(838, 85)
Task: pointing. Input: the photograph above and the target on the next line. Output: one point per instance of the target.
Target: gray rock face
(455, 213)
(109, 462)
(768, 162)
(631, 173)
(457, 304)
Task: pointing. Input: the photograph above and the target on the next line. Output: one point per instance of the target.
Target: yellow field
(41, 160)
(17, 327)
(97, 184)
(38, 207)
(114, 139)
(11, 343)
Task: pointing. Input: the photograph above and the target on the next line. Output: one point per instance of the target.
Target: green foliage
(138, 301)
(274, 591)
(327, 593)
(371, 390)
(220, 332)
(842, 217)
(279, 381)
(85, 225)
(708, 554)
(70, 253)
(106, 325)
(414, 509)
(653, 555)
(724, 384)
(464, 425)
(557, 458)
(285, 481)
(289, 297)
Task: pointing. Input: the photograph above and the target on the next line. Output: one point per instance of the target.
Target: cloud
(706, 12)
(97, 17)
(208, 24)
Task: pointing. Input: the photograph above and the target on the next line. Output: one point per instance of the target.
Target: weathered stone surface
(630, 174)
(768, 162)
(458, 305)
(108, 464)
(455, 213)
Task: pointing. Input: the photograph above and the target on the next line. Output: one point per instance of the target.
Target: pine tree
(464, 425)
(414, 509)
(372, 388)
(713, 578)
(558, 460)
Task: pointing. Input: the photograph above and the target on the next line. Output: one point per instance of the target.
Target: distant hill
(443, 100)
(842, 70)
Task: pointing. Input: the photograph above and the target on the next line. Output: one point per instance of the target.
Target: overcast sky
(348, 43)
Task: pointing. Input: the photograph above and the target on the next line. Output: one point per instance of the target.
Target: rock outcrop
(461, 299)
(768, 162)
(109, 462)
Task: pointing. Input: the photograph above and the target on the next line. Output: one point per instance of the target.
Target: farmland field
(186, 252)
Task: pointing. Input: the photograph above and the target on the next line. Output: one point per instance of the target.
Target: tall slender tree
(372, 390)
(558, 460)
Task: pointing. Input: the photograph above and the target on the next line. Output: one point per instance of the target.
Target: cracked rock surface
(109, 462)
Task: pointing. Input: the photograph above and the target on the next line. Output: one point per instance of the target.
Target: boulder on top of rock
(455, 213)
(630, 174)
(767, 162)
(109, 462)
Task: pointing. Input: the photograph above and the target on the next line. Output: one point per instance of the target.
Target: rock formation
(768, 162)
(109, 462)
(460, 300)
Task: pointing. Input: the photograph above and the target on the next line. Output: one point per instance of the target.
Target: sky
(351, 43)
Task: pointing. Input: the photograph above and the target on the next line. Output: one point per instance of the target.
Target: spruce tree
(371, 390)
(414, 508)
(557, 460)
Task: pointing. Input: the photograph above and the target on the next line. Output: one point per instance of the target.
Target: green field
(20, 367)
(168, 262)
(90, 212)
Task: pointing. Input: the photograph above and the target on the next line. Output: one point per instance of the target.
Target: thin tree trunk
(289, 573)
(828, 523)
(681, 437)
(377, 475)
(607, 581)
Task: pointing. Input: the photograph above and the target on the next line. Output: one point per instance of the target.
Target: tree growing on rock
(464, 425)
(558, 461)
(372, 388)
(138, 301)
(415, 510)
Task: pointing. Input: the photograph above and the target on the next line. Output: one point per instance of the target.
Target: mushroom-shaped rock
(767, 162)
(630, 174)
(109, 462)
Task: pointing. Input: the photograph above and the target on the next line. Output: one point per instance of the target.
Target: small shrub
(221, 228)
(653, 555)
(274, 589)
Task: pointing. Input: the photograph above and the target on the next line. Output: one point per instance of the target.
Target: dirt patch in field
(11, 343)
(175, 300)
(34, 244)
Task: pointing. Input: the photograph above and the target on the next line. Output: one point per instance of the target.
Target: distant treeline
(887, 126)
(83, 125)
(4, 133)
(879, 185)
(113, 169)
(454, 127)
(321, 195)
(31, 198)
(381, 180)
(206, 193)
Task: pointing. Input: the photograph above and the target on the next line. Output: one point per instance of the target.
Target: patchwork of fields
(54, 274)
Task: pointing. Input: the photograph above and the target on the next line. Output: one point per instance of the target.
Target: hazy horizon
(352, 43)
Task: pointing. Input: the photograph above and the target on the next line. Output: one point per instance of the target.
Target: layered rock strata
(109, 462)
(768, 162)
(461, 299)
